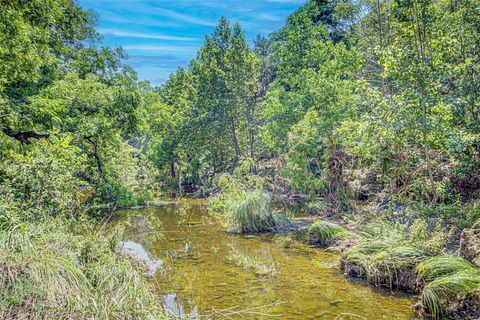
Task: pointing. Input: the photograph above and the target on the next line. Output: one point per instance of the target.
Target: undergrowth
(58, 270)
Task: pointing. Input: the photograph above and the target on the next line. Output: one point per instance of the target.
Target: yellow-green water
(201, 271)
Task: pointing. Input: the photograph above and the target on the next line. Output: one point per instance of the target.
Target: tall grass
(251, 214)
(47, 271)
(386, 257)
(443, 265)
(383, 262)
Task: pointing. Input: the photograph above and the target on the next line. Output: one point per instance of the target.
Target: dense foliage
(369, 107)
(346, 100)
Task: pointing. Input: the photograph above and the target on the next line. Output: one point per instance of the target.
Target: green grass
(444, 290)
(382, 261)
(384, 255)
(448, 278)
(440, 266)
(281, 220)
(252, 214)
(325, 231)
(52, 270)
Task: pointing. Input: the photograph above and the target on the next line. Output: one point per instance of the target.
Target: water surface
(201, 271)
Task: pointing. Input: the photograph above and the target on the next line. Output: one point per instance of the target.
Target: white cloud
(128, 34)
(160, 48)
(187, 18)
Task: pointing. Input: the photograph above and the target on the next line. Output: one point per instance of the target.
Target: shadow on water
(201, 270)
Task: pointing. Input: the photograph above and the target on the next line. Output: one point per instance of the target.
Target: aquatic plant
(251, 214)
(258, 260)
(244, 207)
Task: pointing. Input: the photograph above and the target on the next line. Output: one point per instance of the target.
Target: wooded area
(360, 111)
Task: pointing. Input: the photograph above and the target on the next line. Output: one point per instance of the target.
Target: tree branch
(23, 136)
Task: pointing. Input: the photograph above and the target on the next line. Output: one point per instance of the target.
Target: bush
(114, 194)
(41, 181)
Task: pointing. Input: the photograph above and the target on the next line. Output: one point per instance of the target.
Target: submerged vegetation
(366, 113)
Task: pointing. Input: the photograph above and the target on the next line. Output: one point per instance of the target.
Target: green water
(200, 271)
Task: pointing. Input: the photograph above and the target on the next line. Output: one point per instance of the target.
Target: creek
(201, 271)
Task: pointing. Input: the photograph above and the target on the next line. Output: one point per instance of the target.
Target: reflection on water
(201, 270)
(152, 263)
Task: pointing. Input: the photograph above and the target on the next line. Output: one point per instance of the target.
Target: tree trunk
(94, 153)
(172, 169)
(235, 142)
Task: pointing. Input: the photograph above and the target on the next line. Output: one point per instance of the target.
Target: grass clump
(449, 280)
(384, 263)
(385, 256)
(323, 231)
(244, 207)
(443, 265)
(281, 221)
(443, 291)
(252, 214)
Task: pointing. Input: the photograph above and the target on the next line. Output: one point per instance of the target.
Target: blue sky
(161, 35)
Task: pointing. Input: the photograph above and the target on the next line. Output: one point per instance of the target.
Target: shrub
(41, 181)
(113, 193)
